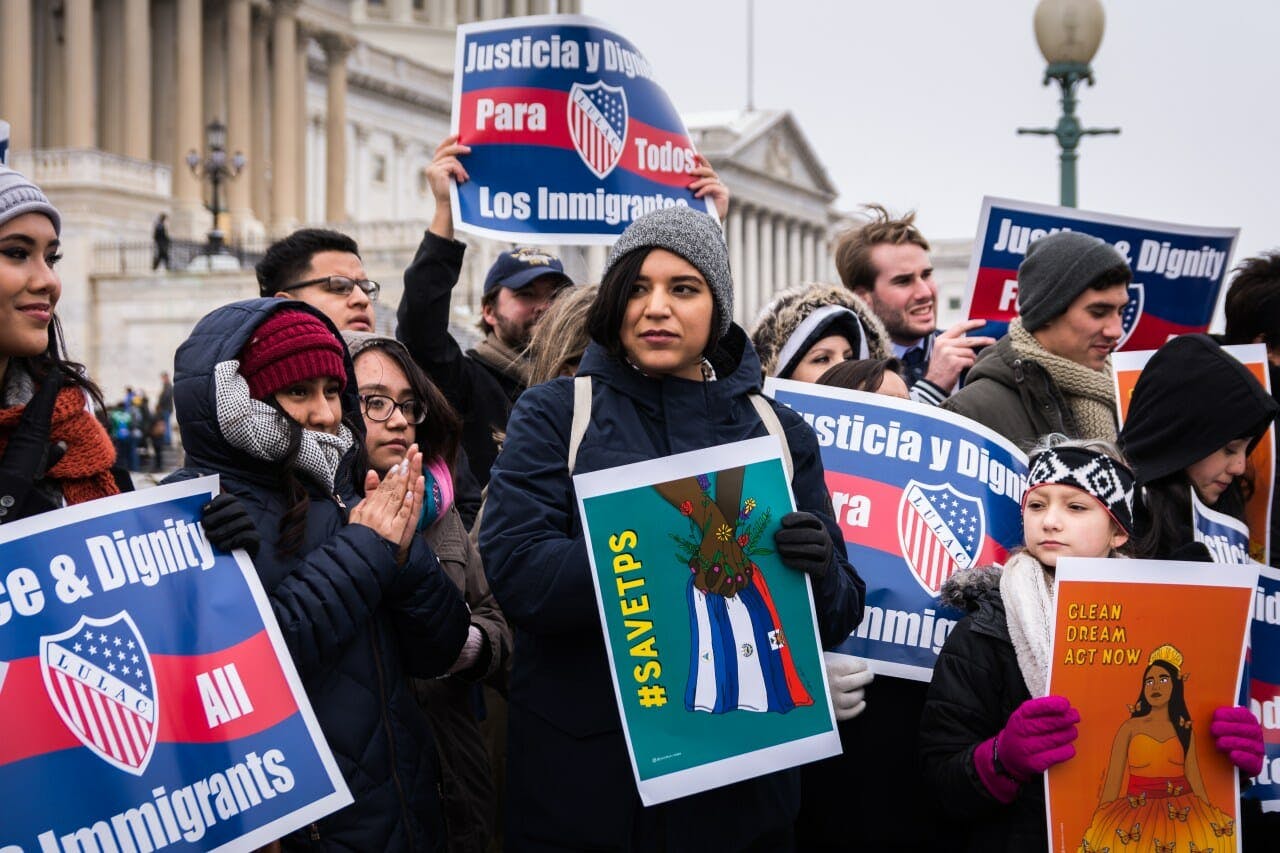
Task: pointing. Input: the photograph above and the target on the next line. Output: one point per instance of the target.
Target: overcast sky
(916, 103)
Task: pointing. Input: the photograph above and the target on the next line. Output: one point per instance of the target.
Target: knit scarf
(438, 495)
(503, 358)
(263, 432)
(84, 471)
(1089, 392)
(1027, 591)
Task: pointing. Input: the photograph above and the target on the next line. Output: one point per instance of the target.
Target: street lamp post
(217, 168)
(1068, 33)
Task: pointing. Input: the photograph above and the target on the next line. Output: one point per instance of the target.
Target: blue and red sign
(1178, 270)
(1264, 684)
(147, 700)
(920, 494)
(571, 139)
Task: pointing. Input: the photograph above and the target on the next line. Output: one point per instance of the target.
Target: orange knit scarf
(84, 471)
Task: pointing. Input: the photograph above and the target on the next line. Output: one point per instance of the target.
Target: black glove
(28, 455)
(803, 543)
(228, 526)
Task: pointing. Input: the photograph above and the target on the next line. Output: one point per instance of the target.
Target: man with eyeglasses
(323, 269)
(482, 383)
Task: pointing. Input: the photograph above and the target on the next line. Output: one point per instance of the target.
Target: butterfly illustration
(1184, 722)
(1086, 847)
(1138, 801)
(1133, 709)
(1172, 789)
(1195, 849)
(1228, 828)
(1164, 848)
(1132, 835)
(1178, 814)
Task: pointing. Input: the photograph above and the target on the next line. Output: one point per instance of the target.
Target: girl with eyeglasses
(266, 398)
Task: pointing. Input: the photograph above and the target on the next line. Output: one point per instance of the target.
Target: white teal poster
(713, 644)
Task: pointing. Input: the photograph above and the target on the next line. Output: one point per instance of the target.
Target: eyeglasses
(380, 407)
(342, 286)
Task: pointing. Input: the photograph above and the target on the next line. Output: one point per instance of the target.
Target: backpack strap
(581, 417)
(774, 426)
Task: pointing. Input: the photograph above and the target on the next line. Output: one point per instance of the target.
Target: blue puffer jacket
(569, 781)
(356, 623)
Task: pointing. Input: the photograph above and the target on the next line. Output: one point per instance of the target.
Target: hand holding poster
(571, 139)
(1146, 651)
(1178, 270)
(712, 641)
(919, 494)
(147, 700)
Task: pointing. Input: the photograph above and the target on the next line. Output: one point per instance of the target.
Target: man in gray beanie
(1052, 371)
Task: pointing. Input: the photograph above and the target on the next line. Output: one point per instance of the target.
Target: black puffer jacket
(976, 686)
(355, 622)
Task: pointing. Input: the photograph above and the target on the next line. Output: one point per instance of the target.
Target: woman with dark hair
(53, 450)
(266, 398)
(877, 375)
(1195, 415)
(667, 372)
(402, 407)
(804, 331)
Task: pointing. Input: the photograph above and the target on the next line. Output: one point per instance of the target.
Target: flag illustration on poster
(712, 642)
(571, 136)
(99, 677)
(147, 698)
(919, 494)
(1264, 684)
(1178, 270)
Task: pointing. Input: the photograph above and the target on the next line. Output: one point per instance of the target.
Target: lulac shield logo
(940, 530)
(598, 125)
(99, 677)
(1132, 312)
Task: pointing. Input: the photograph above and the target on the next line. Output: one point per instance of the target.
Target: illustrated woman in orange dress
(1153, 797)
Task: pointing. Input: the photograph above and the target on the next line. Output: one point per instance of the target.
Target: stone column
(795, 254)
(765, 280)
(809, 269)
(400, 11)
(781, 275)
(188, 130)
(259, 123)
(490, 9)
(78, 95)
(823, 264)
(734, 238)
(285, 126)
(750, 258)
(137, 79)
(305, 150)
(16, 101)
(449, 14)
(359, 183)
(239, 76)
(336, 49)
(519, 7)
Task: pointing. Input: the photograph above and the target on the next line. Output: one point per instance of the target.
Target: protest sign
(1226, 538)
(712, 641)
(1128, 366)
(1178, 270)
(147, 698)
(919, 493)
(1264, 684)
(571, 137)
(1146, 650)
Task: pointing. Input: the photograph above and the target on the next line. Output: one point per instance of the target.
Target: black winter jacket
(482, 395)
(1014, 396)
(976, 687)
(355, 622)
(570, 784)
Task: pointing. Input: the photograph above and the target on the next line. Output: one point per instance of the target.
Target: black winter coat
(569, 780)
(976, 687)
(482, 395)
(355, 622)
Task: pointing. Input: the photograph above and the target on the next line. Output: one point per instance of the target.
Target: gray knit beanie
(19, 196)
(694, 236)
(1057, 269)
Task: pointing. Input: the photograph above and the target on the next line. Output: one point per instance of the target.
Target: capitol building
(336, 107)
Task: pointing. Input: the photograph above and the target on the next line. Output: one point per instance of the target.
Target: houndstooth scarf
(1090, 393)
(263, 432)
(1026, 589)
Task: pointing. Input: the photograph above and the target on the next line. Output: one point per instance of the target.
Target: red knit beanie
(291, 346)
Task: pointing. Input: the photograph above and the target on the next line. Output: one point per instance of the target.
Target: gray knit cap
(694, 236)
(358, 342)
(19, 196)
(1057, 269)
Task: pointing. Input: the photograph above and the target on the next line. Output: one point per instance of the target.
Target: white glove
(848, 677)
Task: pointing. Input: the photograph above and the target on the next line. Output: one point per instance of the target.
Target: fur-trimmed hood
(783, 315)
(967, 587)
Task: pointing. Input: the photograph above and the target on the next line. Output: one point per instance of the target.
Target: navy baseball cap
(515, 269)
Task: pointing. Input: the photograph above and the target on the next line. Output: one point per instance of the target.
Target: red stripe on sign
(1152, 332)
(477, 129)
(995, 294)
(881, 529)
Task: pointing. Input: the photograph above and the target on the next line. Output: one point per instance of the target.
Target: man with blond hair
(886, 262)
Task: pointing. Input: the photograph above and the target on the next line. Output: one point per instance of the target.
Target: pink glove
(1038, 735)
(1236, 732)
